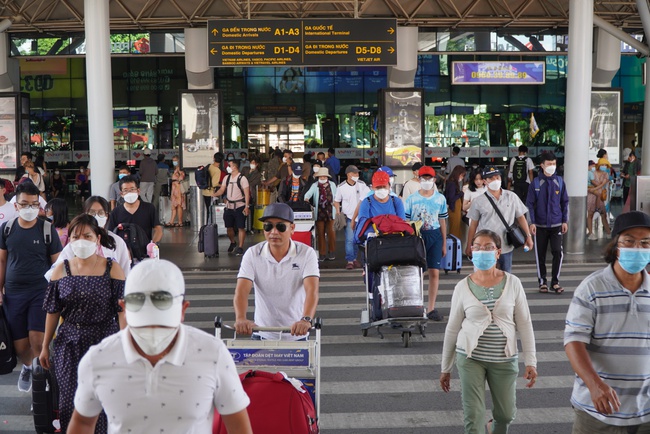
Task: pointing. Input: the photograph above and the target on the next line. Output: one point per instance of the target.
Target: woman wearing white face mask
(323, 192)
(595, 201)
(177, 196)
(84, 291)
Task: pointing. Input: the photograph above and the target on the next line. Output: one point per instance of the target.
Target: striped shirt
(614, 323)
(492, 343)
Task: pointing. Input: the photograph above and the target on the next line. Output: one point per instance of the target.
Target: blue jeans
(505, 262)
(351, 248)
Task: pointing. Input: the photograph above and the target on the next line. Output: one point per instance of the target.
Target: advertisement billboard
(201, 126)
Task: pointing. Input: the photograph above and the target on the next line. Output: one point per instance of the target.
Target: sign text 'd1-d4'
(309, 42)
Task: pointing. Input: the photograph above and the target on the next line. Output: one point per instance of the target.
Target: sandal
(168, 225)
(558, 289)
(543, 288)
(490, 425)
(177, 225)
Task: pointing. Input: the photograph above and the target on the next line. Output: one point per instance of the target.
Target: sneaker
(593, 236)
(232, 247)
(350, 266)
(330, 257)
(321, 258)
(25, 379)
(239, 251)
(434, 315)
(357, 264)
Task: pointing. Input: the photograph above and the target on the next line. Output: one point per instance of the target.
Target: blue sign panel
(270, 357)
(498, 73)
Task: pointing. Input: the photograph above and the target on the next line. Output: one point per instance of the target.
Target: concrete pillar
(482, 41)
(9, 68)
(578, 101)
(607, 58)
(99, 95)
(199, 74)
(645, 141)
(403, 74)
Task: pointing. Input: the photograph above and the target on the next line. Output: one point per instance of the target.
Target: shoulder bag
(514, 235)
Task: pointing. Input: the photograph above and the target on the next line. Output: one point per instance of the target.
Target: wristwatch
(306, 318)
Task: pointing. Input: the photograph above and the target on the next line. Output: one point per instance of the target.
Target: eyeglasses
(96, 213)
(162, 300)
(29, 206)
(130, 190)
(632, 242)
(281, 227)
(488, 248)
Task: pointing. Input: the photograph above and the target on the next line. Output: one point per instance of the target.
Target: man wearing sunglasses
(285, 275)
(158, 375)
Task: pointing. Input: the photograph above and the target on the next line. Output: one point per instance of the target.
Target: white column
(100, 95)
(199, 74)
(578, 102)
(645, 138)
(403, 74)
(607, 58)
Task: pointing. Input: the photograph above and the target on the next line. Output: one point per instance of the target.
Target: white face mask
(83, 249)
(382, 193)
(322, 181)
(253, 166)
(391, 181)
(101, 220)
(295, 176)
(229, 169)
(284, 159)
(426, 185)
(494, 185)
(550, 169)
(130, 197)
(354, 178)
(28, 214)
(153, 340)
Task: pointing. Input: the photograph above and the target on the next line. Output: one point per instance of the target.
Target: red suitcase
(277, 405)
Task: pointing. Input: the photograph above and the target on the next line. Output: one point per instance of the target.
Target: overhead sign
(498, 73)
(309, 42)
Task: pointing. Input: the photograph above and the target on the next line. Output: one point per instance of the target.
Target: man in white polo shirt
(158, 375)
(285, 276)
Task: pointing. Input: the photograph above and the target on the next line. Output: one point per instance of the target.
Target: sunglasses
(281, 227)
(162, 300)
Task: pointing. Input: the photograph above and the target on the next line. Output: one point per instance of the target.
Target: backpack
(383, 224)
(519, 172)
(8, 359)
(136, 239)
(47, 230)
(227, 182)
(203, 178)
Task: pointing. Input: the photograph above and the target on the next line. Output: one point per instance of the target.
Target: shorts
(25, 313)
(433, 246)
(235, 218)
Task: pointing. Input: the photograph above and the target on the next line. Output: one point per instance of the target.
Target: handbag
(185, 186)
(603, 195)
(340, 221)
(514, 235)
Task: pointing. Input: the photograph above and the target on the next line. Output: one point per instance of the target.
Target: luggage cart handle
(218, 323)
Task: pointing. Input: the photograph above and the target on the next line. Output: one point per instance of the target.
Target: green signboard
(309, 42)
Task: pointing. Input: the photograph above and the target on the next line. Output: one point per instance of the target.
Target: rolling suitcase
(453, 260)
(209, 241)
(45, 399)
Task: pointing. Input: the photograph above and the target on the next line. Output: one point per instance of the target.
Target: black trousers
(521, 190)
(542, 239)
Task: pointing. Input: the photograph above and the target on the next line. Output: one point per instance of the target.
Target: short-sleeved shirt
(453, 162)
(7, 212)
(145, 216)
(234, 194)
(114, 193)
(178, 395)
(613, 323)
(148, 169)
(350, 195)
(529, 166)
(371, 207)
(279, 286)
(426, 209)
(511, 208)
(28, 257)
(215, 180)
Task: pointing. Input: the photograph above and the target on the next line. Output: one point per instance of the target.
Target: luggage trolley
(295, 359)
(394, 295)
(303, 218)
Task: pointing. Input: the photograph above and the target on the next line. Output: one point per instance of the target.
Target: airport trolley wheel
(364, 332)
(406, 339)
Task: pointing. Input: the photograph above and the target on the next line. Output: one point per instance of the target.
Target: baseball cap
(296, 168)
(427, 171)
(386, 169)
(490, 171)
(146, 151)
(629, 220)
(380, 178)
(280, 211)
(351, 169)
(154, 275)
(416, 166)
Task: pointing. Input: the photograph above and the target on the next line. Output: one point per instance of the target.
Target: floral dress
(176, 196)
(89, 308)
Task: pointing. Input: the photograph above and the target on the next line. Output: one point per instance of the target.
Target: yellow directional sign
(308, 42)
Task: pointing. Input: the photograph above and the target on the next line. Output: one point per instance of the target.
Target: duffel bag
(395, 250)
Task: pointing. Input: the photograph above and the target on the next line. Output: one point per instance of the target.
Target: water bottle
(153, 251)
(526, 248)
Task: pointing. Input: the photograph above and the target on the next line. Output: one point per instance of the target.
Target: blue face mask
(121, 175)
(604, 169)
(633, 260)
(483, 259)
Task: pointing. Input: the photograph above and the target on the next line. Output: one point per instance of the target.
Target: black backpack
(202, 177)
(519, 172)
(136, 239)
(8, 359)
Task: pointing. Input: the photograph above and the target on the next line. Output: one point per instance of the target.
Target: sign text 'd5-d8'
(309, 42)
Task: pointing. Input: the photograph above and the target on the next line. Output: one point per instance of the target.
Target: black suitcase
(209, 241)
(45, 399)
(453, 260)
(395, 249)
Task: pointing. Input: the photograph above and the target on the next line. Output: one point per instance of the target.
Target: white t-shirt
(7, 212)
(279, 286)
(177, 395)
(349, 196)
(410, 187)
(529, 166)
(471, 195)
